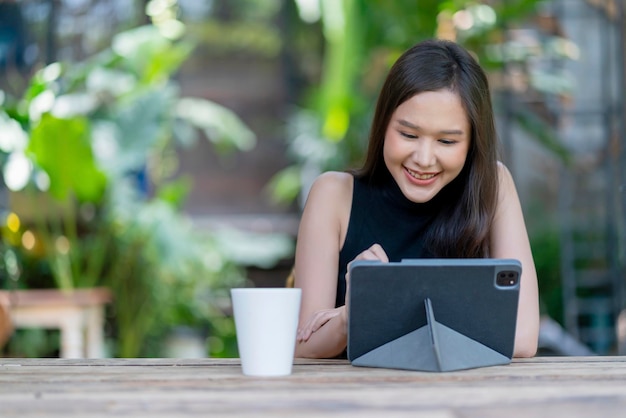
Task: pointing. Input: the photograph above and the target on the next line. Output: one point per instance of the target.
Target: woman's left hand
(317, 320)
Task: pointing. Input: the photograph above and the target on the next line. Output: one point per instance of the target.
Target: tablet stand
(433, 348)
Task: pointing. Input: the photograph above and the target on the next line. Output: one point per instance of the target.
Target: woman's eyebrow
(410, 125)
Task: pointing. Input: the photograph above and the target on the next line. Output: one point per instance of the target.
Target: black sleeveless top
(381, 214)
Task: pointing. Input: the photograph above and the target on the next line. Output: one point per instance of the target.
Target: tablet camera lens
(507, 278)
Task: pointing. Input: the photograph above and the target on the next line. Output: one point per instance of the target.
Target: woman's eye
(447, 141)
(408, 135)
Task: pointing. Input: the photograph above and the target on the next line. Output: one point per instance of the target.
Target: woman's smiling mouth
(420, 176)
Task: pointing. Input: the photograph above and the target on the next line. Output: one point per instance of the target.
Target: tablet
(433, 314)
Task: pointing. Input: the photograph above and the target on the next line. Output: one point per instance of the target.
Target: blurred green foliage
(96, 195)
(546, 246)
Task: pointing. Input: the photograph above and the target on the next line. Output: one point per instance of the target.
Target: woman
(431, 186)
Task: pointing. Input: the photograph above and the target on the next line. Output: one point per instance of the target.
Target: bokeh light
(29, 240)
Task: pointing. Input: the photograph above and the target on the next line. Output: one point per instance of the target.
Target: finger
(367, 255)
(377, 251)
(305, 333)
(318, 319)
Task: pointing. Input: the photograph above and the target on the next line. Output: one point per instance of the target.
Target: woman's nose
(424, 153)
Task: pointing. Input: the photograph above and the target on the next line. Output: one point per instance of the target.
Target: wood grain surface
(540, 387)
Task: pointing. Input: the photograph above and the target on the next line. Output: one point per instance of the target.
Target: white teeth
(420, 176)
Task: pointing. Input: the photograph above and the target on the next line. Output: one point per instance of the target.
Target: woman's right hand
(375, 252)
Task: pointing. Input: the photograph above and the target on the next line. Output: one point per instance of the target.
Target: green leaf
(61, 147)
(221, 126)
(139, 122)
(42, 79)
(149, 54)
(12, 136)
(285, 185)
(176, 191)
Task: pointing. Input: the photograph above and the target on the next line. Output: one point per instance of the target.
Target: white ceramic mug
(266, 321)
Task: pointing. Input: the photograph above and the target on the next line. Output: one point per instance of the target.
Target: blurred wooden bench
(78, 314)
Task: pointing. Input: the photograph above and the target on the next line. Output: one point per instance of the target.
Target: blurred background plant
(88, 154)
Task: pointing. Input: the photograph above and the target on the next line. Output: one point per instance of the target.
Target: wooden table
(542, 387)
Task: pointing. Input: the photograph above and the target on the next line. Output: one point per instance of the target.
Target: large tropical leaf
(62, 148)
(221, 125)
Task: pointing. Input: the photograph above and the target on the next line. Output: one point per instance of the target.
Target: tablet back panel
(475, 297)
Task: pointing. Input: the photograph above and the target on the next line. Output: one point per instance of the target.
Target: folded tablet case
(433, 314)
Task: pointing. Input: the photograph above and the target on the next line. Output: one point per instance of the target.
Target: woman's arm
(6, 325)
(320, 237)
(509, 239)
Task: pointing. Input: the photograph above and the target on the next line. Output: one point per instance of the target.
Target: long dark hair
(462, 227)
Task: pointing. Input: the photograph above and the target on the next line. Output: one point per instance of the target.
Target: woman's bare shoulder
(333, 184)
(330, 201)
(503, 169)
(505, 179)
(507, 192)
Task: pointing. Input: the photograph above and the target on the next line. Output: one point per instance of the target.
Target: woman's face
(426, 143)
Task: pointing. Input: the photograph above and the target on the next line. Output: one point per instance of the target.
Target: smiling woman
(431, 187)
